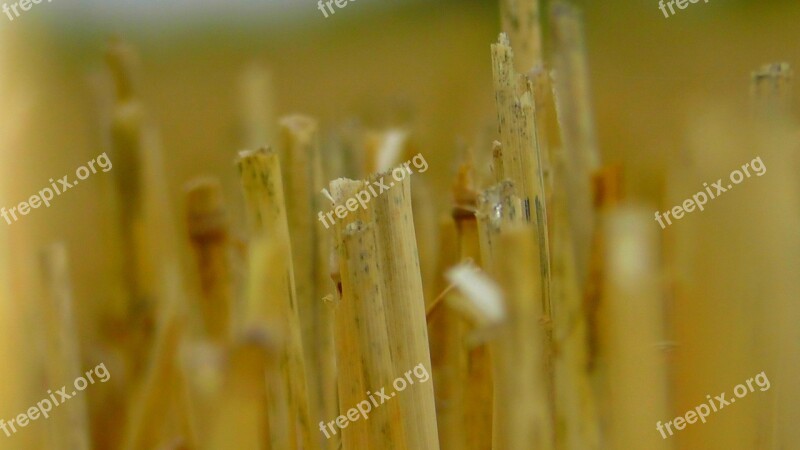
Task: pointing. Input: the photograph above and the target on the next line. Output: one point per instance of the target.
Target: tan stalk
(521, 154)
(577, 420)
(521, 21)
(448, 358)
(632, 331)
(405, 305)
(771, 89)
(350, 377)
(477, 391)
(242, 417)
(523, 417)
(299, 143)
(159, 409)
(497, 207)
(128, 153)
(576, 119)
(70, 428)
(207, 225)
(385, 425)
(274, 302)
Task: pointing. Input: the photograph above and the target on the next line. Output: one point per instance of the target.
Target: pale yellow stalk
(70, 429)
(448, 358)
(631, 327)
(159, 410)
(207, 224)
(272, 299)
(521, 21)
(350, 376)
(523, 416)
(520, 151)
(771, 89)
(242, 420)
(301, 162)
(405, 305)
(576, 119)
(477, 389)
(385, 425)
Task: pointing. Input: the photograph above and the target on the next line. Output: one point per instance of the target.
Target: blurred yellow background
(425, 65)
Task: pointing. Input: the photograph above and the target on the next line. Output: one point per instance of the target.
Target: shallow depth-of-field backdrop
(670, 95)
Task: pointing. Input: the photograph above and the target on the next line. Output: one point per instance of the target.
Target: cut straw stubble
(477, 388)
(523, 416)
(405, 307)
(242, 416)
(208, 231)
(573, 209)
(164, 389)
(301, 164)
(136, 290)
(448, 358)
(271, 292)
(581, 155)
(519, 156)
(498, 207)
(771, 89)
(149, 285)
(521, 20)
(350, 377)
(385, 424)
(63, 362)
(632, 324)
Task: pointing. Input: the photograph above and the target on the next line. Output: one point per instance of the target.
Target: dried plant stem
(477, 390)
(523, 417)
(363, 287)
(146, 218)
(301, 159)
(272, 298)
(452, 381)
(69, 430)
(208, 231)
(607, 194)
(771, 89)
(543, 107)
(581, 155)
(163, 393)
(351, 383)
(521, 21)
(497, 161)
(479, 395)
(139, 309)
(574, 208)
(499, 210)
(575, 401)
(632, 329)
(498, 207)
(130, 317)
(448, 356)
(405, 307)
(520, 151)
(242, 417)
